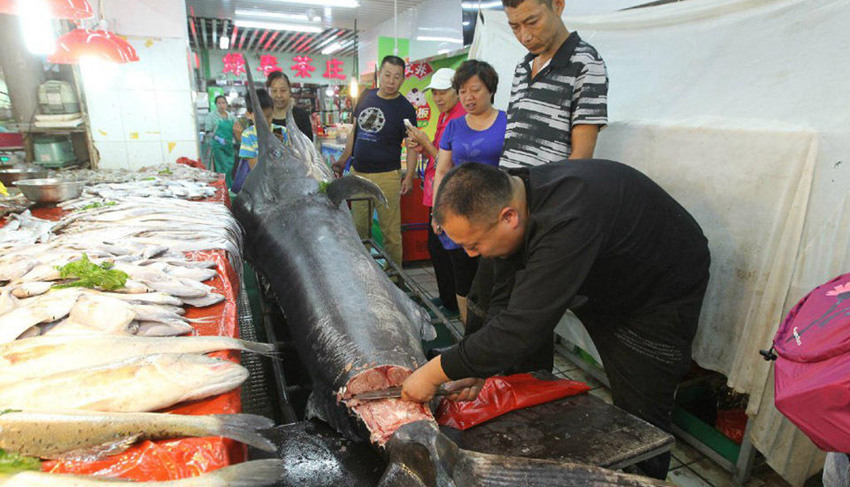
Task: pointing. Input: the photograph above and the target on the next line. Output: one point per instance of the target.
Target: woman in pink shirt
(446, 99)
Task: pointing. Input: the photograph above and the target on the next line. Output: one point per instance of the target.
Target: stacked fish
(109, 356)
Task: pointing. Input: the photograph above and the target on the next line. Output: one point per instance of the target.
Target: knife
(392, 392)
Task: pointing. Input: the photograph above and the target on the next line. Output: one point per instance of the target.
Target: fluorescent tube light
(439, 39)
(483, 5)
(277, 26)
(326, 3)
(276, 15)
(336, 46)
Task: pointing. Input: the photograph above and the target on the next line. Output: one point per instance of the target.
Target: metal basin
(9, 176)
(50, 190)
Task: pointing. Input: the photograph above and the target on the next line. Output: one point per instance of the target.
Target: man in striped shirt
(558, 104)
(559, 92)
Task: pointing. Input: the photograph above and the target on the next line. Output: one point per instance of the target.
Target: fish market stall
(178, 277)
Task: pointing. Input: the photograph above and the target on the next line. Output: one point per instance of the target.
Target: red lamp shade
(98, 44)
(59, 9)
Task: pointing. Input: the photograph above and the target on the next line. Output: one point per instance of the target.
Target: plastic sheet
(503, 394)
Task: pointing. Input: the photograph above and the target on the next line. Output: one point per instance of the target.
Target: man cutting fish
(601, 239)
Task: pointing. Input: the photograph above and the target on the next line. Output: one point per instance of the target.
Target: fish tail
(245, 429)
(252, 474)
(265, 349)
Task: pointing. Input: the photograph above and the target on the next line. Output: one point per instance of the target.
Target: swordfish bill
(354, 330)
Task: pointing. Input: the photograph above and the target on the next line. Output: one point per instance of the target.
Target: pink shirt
(431, 167)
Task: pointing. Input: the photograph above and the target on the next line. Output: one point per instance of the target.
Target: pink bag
(812, 374)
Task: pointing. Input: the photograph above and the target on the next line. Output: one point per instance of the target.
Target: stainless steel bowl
(9, 176)
(50, 190)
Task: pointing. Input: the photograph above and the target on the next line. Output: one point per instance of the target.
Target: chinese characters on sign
(268, 64)
(302, 66)
(333, 69)
(234, 63)
(420, 70)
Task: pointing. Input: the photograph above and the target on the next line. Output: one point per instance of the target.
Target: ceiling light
(98, 45)
(354, 90)
(58, 9)
(477, 5)
(277, 26)
(224, 42)
(325, 3)
(439, 39)
(37, 26)
(336, 46)
(277, 15)
(466, 22)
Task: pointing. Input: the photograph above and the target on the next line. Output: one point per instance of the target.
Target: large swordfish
(354, 330)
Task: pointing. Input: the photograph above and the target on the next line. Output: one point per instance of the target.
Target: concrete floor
(689, 467)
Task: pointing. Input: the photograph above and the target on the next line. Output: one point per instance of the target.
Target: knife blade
(391, 392)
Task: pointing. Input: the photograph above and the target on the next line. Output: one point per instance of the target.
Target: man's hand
(423, 383)
(338, 167)
(465, 389)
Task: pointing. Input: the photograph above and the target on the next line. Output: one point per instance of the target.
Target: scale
(54, 151)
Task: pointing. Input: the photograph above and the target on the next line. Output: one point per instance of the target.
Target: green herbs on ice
(91, 275)
(97, 204)
(13, 463)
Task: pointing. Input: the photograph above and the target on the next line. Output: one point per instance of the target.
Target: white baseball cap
(441, 80)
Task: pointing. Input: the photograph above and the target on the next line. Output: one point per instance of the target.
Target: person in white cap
(446, 99)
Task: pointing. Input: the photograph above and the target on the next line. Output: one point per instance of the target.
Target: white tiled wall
(142, 113)
(146, 105)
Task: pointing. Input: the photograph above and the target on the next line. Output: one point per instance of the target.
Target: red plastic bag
(503, 394)
(732, 423)
(190, 162)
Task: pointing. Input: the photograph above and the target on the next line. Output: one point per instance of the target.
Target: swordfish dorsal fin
(264, 133)
(345, 188)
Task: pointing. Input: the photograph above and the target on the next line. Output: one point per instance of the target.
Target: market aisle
(689, 468)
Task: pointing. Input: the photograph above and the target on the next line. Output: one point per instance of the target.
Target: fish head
(281, 171)
(205, 376)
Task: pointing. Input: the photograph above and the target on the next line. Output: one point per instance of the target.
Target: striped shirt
(571, 90)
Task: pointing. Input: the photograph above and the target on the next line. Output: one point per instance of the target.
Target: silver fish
(137, 384)
(255, 473)
(37, 357)
(90, 436)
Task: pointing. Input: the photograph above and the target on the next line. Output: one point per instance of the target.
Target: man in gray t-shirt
(559, 93)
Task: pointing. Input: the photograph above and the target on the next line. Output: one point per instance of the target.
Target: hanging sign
(420, 70)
